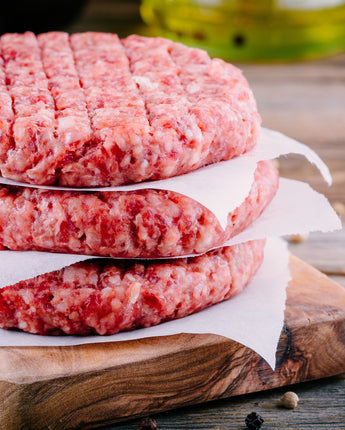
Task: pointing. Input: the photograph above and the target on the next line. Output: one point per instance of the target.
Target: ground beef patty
(105, 297)
(93, 110)
(146, 223)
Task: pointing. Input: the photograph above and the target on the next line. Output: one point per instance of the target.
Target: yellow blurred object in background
(244, 30)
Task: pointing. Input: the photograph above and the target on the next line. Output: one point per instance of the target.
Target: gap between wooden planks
(88, 386)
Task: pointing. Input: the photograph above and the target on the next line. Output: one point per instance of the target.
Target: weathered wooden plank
(325, 251)
(321, 407)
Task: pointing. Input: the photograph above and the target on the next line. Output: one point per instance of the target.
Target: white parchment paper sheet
(223, 186)
(296, 208)
(254, 317)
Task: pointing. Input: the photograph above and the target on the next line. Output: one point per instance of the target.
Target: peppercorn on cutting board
(88, 386)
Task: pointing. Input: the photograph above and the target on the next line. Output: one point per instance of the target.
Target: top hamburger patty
(93, 110)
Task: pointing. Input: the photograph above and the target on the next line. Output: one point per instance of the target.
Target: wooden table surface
(305, 100)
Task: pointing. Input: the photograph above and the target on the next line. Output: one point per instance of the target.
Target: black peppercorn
(148, 424)
(254, 421)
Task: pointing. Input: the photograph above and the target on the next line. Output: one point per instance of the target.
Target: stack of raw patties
(93, 111)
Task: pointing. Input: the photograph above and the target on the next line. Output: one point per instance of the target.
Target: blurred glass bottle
(251, 29)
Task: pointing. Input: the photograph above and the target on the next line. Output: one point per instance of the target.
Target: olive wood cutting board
(88, 386)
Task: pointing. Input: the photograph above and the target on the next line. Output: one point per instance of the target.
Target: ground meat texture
(146, 223)
(106, 297)
(93, 110)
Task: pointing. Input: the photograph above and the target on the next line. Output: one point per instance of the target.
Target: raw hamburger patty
(145, 223)
(91, 110)
(105, 297)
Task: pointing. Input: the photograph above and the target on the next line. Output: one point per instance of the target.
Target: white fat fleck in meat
(193, 88)
(145, 83)
(134, 292)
